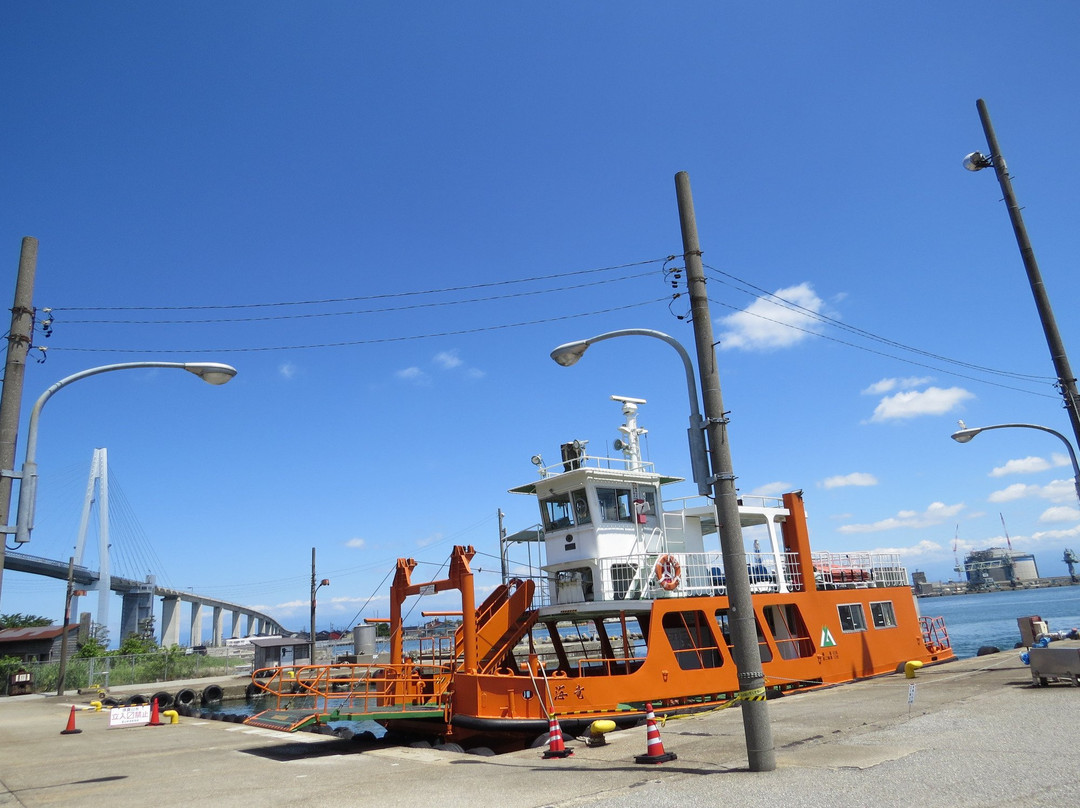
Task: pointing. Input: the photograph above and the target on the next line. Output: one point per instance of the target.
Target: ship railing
(935, 635)
(360, 688)
(745, 500)
(860, 570)
(635, 577)
(595, 461)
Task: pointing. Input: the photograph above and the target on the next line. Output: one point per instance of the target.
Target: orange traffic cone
(654, 751)
(71, 724)
(155, 719)
(556, 747)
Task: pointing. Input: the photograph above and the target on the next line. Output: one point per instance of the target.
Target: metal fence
(112, 671)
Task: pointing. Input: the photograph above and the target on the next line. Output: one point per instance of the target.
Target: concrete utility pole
(1066, 380)
(755, 709)
(19, 340)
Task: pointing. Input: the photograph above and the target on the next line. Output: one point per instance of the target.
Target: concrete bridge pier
(170, 621)
(236, 624)
(196, 624)
(136, 609)
(218, 627)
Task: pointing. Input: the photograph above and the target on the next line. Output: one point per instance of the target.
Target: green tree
(18, 620)
(136, 644)
(93, 647)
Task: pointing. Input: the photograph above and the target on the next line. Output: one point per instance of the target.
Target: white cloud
(767, 325)
(1060, 513)
(1014, 492)
(1056, 535)
(923, 548)
(771, 490)
(1054, 491)
(912, 404)
(287, 370)
(448, 360)
(1022, 465)
(857, 478)
(414, 375)
(434, 538)
(888, 385)
(357, 543)
(937, 513)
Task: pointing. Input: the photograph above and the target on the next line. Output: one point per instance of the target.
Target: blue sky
(386, 215)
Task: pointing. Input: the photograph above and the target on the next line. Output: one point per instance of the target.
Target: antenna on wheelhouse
(631, 447)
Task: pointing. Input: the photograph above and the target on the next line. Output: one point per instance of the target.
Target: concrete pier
(972, 733)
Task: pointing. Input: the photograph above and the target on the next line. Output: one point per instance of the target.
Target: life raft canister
(668, 571)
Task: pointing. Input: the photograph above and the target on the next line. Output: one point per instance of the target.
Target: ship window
(883, 614)
(614, 504)
(725, 630)
(852, 617)
(581, 507)
(692, 640)
(557, 512)
(789, 631)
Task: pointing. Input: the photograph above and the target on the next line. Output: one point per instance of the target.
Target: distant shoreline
(943, 588)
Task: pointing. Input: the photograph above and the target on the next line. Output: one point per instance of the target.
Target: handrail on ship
(360, 689)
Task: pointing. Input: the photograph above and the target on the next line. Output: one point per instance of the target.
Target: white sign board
(137, 716)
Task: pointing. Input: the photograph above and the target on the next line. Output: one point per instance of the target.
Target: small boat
(627, 607)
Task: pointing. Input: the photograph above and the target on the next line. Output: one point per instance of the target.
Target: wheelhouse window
(581, 507)
(852, 617)
(692, 640)
(883, 614)
(557, 512)
(615, 504)
(725, 630)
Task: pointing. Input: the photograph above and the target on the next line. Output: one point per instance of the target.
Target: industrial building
(996, 567)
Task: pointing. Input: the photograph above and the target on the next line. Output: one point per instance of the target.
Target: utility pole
(313, 590)
(755, 710)
(1066, 381)
(19, 340)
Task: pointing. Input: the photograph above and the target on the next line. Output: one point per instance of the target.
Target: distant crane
(1070, 560)
(1008, 541)
(956, 558)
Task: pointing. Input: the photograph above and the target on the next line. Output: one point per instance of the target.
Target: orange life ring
(668, 571)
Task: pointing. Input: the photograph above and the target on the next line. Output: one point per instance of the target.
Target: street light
(211, 372)
(314, 589)
(1066, 382)
(966, 433)
(568, 354)
(744, 632)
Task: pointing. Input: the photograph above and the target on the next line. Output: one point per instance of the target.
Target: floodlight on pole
(213, 373)
(569, 353)
(966, 433)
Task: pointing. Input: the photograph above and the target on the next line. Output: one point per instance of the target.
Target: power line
(882, 353)
(387, 310)
(373, 341)
(793, 306)
(386, 296)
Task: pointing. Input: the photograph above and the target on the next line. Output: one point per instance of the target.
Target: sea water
(989, 618)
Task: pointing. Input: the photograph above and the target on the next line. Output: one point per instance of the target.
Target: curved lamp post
(965, 434)
(568, 354)
(211, 372)
(314, 588)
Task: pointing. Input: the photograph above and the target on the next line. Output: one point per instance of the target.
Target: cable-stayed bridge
(138, 596)
(138, 605)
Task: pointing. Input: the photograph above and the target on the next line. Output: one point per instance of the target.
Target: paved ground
(977, 734)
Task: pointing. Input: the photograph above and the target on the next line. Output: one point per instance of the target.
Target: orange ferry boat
(628, 608)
